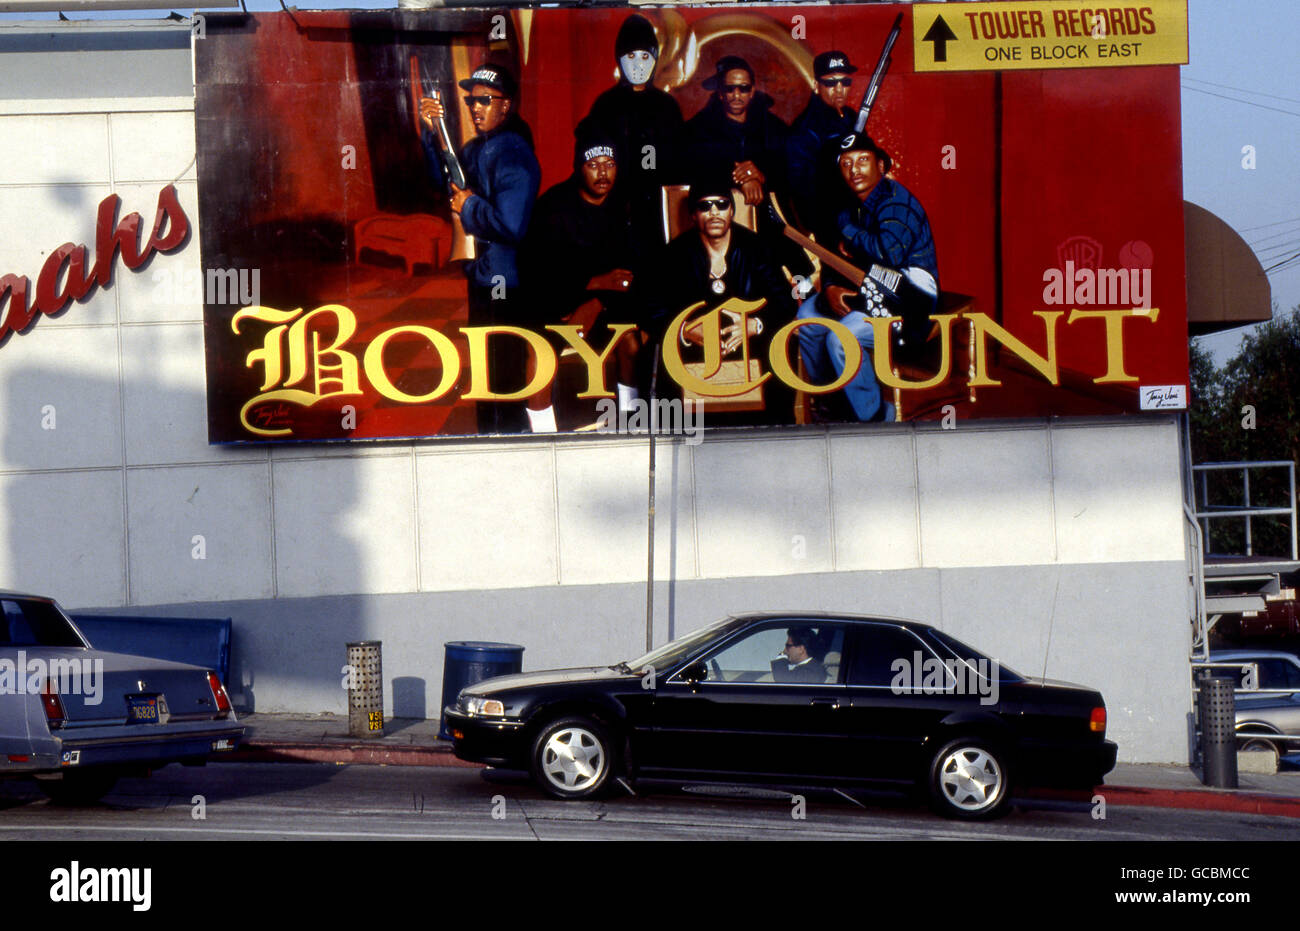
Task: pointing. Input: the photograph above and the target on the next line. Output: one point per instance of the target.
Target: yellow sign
(1061, 34)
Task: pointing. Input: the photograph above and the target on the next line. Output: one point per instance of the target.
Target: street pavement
(321, 801)
(324, 738)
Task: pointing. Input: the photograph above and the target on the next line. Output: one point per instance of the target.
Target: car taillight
(1097, 720)
(53, 706)
(219, 693)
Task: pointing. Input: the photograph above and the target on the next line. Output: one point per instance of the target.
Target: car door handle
(826, 702)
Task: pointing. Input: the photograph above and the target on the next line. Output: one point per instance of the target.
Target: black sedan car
(792, 699)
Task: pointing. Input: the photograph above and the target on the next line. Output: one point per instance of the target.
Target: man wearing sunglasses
(800, 660)
(709, 262)
(815, 183)
(737, 129)
(503, 176)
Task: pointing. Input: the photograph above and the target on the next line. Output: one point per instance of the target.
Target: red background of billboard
(1084, 152)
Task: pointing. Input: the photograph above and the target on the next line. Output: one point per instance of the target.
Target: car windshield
(972, 657)
(670, 654)
(34, 623)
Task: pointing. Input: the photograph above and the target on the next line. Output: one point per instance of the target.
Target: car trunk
(94, 686)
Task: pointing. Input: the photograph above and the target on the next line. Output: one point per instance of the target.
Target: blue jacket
(890, 227)
(504, 175)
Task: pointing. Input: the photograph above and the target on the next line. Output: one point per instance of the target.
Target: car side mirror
(695, 673)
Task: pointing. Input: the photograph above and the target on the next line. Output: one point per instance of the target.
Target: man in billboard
(646, 126)
(577, 261)
(815, 183)
(887, 227)
(713, 260)
(737, 129)
(503, 177)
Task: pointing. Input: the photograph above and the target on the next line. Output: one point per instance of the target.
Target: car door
(898, 690)
(747, 720)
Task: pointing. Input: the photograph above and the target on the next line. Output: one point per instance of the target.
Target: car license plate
(143, 709)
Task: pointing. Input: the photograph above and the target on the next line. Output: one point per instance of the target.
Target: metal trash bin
(366, 694)
(1216, 707)
(470, 661)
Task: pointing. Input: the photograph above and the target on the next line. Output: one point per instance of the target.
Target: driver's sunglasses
(483, 100)
(712, 203)
(730, 89)
(832, 82)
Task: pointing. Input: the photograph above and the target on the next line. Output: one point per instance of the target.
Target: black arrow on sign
(940, 34)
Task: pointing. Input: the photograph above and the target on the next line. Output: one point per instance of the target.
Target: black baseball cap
(861, 142)
(727, 63)
(834, 61)
(493, 76)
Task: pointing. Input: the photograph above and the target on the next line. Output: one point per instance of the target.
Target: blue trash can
(470, 661)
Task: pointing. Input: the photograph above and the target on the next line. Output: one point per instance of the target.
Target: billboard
(451, 223)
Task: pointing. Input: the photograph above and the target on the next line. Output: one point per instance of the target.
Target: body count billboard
(478, 222)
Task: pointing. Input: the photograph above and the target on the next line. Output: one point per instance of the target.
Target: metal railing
(1205, 512)
(1196, 559)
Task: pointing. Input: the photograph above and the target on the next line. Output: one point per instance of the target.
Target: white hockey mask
(637, 66)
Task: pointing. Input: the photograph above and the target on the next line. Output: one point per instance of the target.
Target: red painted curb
(378, 755)
(1202, 800)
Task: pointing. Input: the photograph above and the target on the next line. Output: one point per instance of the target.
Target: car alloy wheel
(969, 779)
(571, 758)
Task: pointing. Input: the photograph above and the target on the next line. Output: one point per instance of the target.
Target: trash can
(1216, 706)
(470, 661)
(366, 689)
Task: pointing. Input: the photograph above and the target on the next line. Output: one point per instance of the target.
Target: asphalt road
(320, 801)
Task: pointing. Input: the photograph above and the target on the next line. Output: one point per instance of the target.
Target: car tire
(78, 788)
(573, 758)
(1258, 743)
(969, 779)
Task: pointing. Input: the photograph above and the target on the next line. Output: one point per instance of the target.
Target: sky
(1241, 88)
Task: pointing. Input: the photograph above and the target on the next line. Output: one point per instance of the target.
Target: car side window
(878, 648)
(14, 629)
(810, 656)
(1278, 674)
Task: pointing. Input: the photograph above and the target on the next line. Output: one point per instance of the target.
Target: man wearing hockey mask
(645, 124)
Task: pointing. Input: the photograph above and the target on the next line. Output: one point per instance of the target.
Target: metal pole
(1291, 474)
(1245, 490)
(650, 510)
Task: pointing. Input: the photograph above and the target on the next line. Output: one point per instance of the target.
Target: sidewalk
(323, 738)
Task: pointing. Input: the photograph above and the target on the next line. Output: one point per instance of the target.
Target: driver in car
(799, 660)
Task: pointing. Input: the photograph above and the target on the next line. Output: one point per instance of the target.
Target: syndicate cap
(493, 76)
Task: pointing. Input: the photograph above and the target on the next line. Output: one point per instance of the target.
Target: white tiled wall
(124, 375)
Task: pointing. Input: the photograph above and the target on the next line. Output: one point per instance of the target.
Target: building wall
(1057, 546)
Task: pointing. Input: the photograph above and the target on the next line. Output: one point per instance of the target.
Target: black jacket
(569, 242)
(816, 186)
(680, 278)
(714, 141)
(636, 120)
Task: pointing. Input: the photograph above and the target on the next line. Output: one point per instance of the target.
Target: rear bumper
(1067, 766)
(67, 751)
(494, 741)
